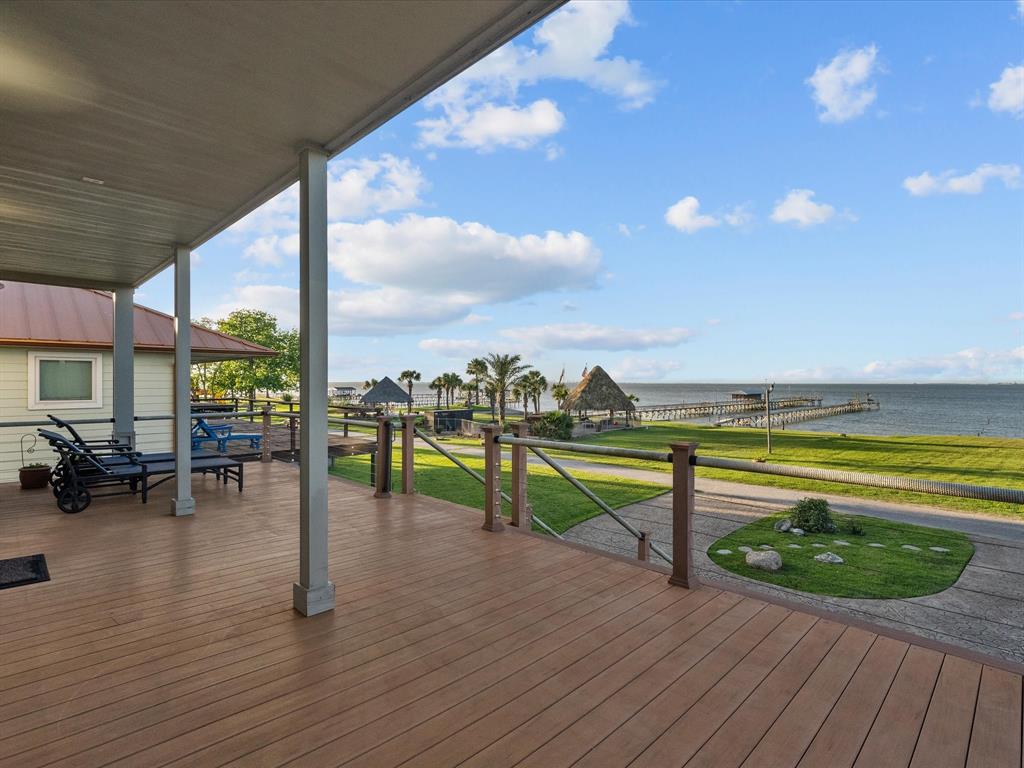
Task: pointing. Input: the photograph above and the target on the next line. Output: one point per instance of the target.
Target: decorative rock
(764, 561)
(876, 544)
(797, 531)
(911, 547)
(938, 549)
(828, 557)
(745, 549)
(816, 544)
(794, 546)
(841, 543)
(723, 551)
(783, 525)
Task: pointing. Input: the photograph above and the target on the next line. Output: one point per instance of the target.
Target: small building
(56, 356)
(449, 420)
(343, 393)
(747, 394)
(598, 393)
(386, 393)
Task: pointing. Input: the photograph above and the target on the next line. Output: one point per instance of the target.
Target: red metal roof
(37, 315)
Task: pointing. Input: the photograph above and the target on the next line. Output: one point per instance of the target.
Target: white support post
(313, 593)
(124, 366)
(182, 503)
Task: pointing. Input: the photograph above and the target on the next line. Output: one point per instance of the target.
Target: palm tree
(409, 376)
(520, 391)
(468, 388)
(477, 368)
(559, 392)
(492, 396)
(536, 385)
(452, 381)
(503, 373)
(438, 386)
(369, 384)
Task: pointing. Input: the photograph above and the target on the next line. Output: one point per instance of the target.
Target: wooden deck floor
(164, 641)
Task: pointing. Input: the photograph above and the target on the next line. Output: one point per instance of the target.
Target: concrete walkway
(983, 611)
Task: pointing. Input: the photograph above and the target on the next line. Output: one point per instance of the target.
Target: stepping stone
(797, 531)
(783, 525)
(764, 561)
(794, 546)
(767, 546)
(723, 551)
(829, 557)
(841, 543)
(816, 544)
(938, 549)
(910, 547)
(876, 544)
(745, 549)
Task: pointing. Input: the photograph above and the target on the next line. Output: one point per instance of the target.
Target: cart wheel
(58, 486)
(73, 499)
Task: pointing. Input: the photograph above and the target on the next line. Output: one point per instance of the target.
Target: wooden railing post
(265, 456)
(492, 478)
(383, 478)
(643, 547)
(682, 515)
(408, 451)
(521, 513)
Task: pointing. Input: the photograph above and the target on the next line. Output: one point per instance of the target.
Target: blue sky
(681, 192)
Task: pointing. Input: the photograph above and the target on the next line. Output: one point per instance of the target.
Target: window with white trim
(64, 381)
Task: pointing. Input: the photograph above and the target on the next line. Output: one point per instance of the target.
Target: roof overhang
(132, 127)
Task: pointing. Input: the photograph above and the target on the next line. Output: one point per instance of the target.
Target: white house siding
(153, 396)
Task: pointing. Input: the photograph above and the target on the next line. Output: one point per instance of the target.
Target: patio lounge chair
(80, 469)
(113, 452)
(204, 432)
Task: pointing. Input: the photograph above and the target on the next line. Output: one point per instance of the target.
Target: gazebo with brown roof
(598, 392)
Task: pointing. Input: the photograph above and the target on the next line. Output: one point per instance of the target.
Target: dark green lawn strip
(867, 572)
(555, 501)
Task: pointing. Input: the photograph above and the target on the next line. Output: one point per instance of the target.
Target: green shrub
(813, 516)
(854, 528)
(554, 425)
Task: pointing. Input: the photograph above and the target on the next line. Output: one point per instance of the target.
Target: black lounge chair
(81, 468)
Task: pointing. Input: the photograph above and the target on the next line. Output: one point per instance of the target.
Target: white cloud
(456, 348)
(974, 363)
(1016, 315)
(972, 183)
(1007, 93)
(355, 189)
(590, 336)
(553, 151)
(469, 263)
(841, 88)
(686, 217)
(740, 216)
(271, 250)
(713, 321)
(625, 231)
(479, 109)
(1020, 9)
(631, 369)
(475, 319)
(798, 208)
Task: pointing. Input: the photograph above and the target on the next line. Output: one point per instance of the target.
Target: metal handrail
(474, 474)
(157, 417)
(596, 450)
(596, 499)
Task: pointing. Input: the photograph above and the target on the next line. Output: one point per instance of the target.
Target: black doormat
(19, 571)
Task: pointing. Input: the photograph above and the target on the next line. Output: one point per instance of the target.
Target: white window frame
(35, 404)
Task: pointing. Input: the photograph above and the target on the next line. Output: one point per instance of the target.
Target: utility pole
(768, 413)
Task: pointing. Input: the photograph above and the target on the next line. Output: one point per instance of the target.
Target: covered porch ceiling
(127, 128)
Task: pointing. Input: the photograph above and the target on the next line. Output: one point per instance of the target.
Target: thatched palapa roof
(386, 391)
(597, 392)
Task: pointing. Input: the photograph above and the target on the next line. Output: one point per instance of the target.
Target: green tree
(251, 375)
(409, 376)
(369, 384)
(452, 381)
(477, 369)
(559, 392)
(438, 386)
(503, 373)
(536, 385)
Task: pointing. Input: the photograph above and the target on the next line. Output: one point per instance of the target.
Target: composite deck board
(171, 642)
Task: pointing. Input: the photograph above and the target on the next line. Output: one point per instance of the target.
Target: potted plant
(33, 476)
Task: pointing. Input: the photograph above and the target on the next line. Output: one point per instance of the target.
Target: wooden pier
(797, 415)
(684, 411)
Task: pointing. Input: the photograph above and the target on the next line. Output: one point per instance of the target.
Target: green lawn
(867, 572)
(555, 501)
(977, 460)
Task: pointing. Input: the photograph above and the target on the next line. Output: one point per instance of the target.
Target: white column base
(183, 507)
(124, 438)
(310, 602)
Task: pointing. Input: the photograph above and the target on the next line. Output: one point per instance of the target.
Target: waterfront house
(57, 356)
